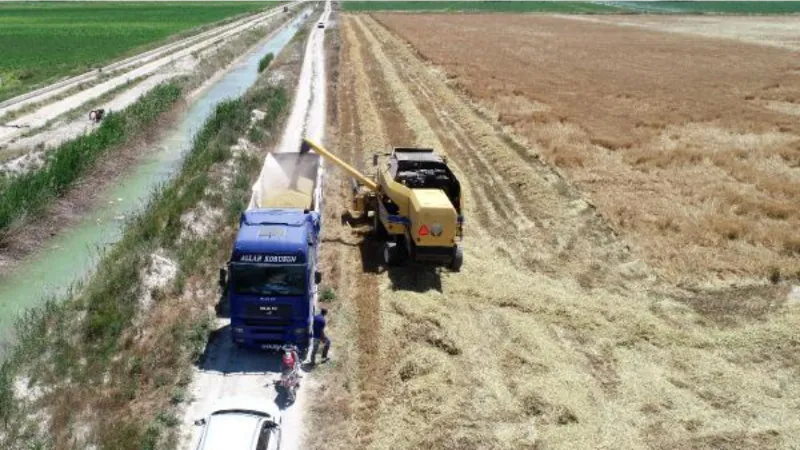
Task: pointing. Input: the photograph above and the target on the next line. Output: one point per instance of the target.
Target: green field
(708, 6)
(736, 7)
(582, 6)
(41, 41)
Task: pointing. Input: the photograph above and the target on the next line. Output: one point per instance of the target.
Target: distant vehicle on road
(241, 423)
(321, 25)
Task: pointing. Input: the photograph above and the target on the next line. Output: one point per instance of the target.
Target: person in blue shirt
(320, 335)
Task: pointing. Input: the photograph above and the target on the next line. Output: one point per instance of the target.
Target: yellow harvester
(415, 203)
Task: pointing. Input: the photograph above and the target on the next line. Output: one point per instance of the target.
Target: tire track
(421, 129)
(417, 322)
(554, 223)
(395, 129)
(492, 214)
(375, 84)
(510, 217)
(469, 133)
(374, 138)
(434, 103)
(360, 129)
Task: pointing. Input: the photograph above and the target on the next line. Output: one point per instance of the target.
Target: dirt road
(226, 369)
(554, 334)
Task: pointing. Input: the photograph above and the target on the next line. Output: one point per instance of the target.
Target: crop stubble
(689, 145)
(357, 346)
(774, 31)
(551, 334)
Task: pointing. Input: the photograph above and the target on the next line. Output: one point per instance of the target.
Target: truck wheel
(392, 254)
(458, 260)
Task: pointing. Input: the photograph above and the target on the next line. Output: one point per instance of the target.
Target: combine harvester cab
(271, 278)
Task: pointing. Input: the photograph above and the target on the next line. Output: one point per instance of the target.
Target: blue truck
(271, 277)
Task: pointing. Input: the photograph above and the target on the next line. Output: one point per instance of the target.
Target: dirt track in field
(554, 335)
(356, 347)
(689, 145)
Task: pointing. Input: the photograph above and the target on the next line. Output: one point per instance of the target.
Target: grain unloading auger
(415, 204)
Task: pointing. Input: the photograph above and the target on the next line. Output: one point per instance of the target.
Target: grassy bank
(42, 40)
(264, 62)
(32, 192)
(108, 366)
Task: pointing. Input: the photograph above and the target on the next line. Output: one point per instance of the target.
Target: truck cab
(271, 278)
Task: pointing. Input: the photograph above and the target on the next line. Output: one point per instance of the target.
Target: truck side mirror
(317, 277)
(223, 277)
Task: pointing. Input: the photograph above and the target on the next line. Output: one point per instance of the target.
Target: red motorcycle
(290, 375)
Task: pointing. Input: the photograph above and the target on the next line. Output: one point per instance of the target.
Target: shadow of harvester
(411, 276)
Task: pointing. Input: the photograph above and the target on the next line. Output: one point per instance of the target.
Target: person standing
(320, 335)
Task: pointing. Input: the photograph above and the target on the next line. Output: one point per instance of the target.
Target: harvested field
(689, 146)
(554, 334)
(783, 32)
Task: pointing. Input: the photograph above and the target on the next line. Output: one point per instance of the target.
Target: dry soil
(555, 334)
(689, 145)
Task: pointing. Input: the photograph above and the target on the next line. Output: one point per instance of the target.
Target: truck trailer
(271, 277)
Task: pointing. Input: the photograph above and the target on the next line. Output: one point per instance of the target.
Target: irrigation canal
(73, 254)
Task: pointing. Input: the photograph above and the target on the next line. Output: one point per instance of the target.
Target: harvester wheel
(392, 254)
(458, 260)
(377, 225)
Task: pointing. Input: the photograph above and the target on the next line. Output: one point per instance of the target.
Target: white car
(321, 25)
(241, 423)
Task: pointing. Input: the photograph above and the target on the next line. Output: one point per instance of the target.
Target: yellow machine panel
(395, 191)
(430, 198)
(434, 218)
